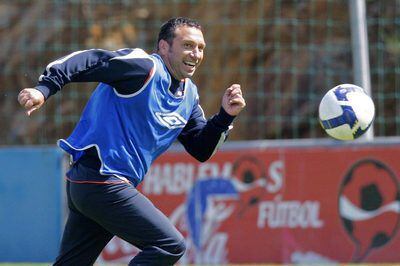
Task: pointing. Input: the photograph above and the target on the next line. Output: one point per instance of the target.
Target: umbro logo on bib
(171, 120)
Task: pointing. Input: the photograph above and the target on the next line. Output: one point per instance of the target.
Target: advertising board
(279, 205)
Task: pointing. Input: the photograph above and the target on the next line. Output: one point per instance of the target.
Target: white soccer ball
(346, 112)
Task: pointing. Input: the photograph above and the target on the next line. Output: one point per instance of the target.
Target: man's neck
(174, 84)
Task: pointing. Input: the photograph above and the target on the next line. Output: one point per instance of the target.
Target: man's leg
(123, 211)
(83, 239)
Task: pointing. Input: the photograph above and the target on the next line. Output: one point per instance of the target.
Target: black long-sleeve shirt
(127, 75)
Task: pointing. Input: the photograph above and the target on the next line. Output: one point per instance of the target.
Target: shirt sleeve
(127, 70)
(200, 137)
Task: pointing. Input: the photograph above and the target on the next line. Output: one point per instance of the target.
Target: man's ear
(163, 47)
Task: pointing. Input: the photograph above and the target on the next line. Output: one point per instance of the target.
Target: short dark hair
(167, 30)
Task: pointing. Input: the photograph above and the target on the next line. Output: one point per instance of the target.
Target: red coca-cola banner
(316, 204)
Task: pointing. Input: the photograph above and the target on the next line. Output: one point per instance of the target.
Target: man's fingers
(233, 101)
(228, 91)
(22, 98)
(232, 89)
(235, 86)
(29, 103)
(25, 98)
(31, 110)
(31, 99)
(236, 101)
(22, 101)
(23, 94)
(235, 91)
(236, 95)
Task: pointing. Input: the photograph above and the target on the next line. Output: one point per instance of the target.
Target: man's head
(181, 45)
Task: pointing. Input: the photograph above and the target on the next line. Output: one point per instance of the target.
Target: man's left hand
(233, 101)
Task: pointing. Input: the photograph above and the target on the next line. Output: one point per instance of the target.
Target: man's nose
(196, 53)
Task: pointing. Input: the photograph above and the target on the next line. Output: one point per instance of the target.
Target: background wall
(31, 203)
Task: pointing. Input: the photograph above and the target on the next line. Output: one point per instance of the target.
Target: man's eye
(187, 45)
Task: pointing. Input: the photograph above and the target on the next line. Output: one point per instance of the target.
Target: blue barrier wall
(31, 204)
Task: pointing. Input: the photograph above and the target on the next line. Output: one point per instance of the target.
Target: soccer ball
(346, 112)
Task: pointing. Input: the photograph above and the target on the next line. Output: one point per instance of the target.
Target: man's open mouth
(191, 64)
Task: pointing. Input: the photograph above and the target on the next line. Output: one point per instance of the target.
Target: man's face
(185, 53)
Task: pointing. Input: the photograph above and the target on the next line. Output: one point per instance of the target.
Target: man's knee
(180, 248)
(174, 251)
(167, 254)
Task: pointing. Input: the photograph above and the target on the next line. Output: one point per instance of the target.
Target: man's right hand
(31, 99)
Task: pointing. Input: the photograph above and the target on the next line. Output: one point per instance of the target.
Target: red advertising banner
(320, 204)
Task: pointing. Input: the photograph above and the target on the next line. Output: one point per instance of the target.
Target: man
(141, 105)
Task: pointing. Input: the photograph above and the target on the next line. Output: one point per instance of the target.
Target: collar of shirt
(177, 86)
